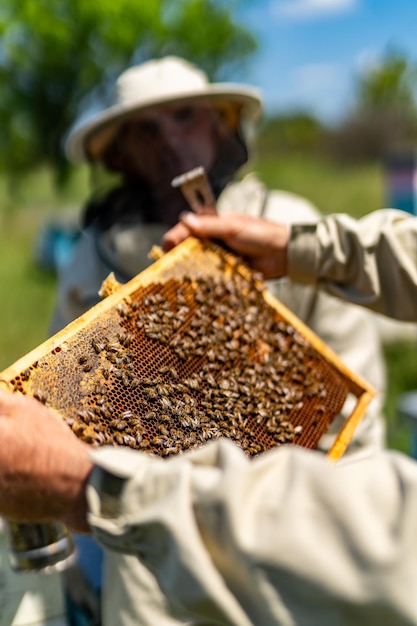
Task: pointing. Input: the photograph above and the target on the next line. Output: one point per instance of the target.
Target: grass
(331, 187)
(28, 293)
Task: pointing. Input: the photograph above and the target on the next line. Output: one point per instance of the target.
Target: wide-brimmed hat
(153, 83)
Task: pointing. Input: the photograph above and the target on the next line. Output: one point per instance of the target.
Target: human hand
(263, 244)
(43, 466)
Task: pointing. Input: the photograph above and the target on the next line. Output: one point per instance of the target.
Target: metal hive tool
(192, 349)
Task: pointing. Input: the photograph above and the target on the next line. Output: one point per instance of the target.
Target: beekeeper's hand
(44, 468)
(263, 244)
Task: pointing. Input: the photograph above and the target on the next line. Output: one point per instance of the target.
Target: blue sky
(311, 51)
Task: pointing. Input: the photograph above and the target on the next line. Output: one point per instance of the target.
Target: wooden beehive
(191, 349)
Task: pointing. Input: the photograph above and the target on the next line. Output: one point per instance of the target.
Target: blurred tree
(384, 119)
(54, 52)
(389, 85)
(293, 133)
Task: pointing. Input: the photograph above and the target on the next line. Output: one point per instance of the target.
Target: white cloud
(307, 9)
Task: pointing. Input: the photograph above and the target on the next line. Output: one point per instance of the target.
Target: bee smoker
(42, 547)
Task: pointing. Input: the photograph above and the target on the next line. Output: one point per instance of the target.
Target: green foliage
(391, 85)
(384, 119)
(54, 52)
(294, 133)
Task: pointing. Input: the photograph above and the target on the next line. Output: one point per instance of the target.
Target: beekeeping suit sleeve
(288, 538)
(372, 262)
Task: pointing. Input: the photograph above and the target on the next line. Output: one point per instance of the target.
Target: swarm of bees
(193, 360)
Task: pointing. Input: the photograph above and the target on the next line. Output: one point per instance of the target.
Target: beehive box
(192, 349)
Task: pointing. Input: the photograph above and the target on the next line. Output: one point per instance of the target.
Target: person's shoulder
(289, 207)
(247, 196)
(251, 196)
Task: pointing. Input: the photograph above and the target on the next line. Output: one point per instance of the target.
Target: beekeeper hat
(154, 83)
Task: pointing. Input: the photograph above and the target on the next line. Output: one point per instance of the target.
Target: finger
(211, 226)
(174, 236)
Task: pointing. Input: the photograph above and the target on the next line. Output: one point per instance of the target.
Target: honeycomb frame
(78, 362)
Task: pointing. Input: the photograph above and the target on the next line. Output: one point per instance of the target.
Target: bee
(165, 402)
(125, 380)
(125, 340)
(187, 443)
(113, 346)
(185, 421)
(25, 374)
(86, 415)
(123, 309)
(209, 378)
(87, 367)
(173, 450)
(144, 443)
(99, 389)
(149, 300)
(106, 371)
(78, 428)
(173, 373)
(163, 390)
(118, 438)
(207, 431)
(128, 440)
(151, 393)
(40, 396)
(98, 345)
(104, 412)
(100, 439)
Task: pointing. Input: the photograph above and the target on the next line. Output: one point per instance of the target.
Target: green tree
(54, 52)
(292, 133)
(390, 85)
(384, 119)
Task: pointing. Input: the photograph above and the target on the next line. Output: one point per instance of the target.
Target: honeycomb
(192, 349)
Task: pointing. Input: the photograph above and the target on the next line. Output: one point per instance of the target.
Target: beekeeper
(166, 119)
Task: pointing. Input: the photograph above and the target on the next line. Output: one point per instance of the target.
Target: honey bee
(40, 396)
(163, 390)
(165, 402)
(98, 345)
(118, 438)
(113, 346)
(25, 374)
(125, 340)
(129, 440)
(123, 309)
(173, 372)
